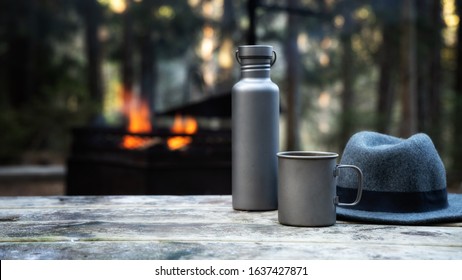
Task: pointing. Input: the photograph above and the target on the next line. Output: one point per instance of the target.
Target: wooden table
(198, 227)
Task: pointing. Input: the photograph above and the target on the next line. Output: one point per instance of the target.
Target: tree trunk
(435, 110)
(386, 11)
(127, 56)
(92, 14)
(225, 79)
(293, 82)
(251, 32)
(428, 44)
(228, 22)
(457, 111)
(385, 87)
(408, 71)
(347, 76)
(31, 63)
(21, 58)
(148, 60)
(423, 60)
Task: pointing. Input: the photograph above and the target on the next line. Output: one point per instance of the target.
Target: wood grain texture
(198, 227)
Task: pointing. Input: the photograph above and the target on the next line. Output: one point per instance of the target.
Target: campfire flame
(139, 121)
(182, 125)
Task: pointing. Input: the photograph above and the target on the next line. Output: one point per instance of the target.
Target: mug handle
(360, 185)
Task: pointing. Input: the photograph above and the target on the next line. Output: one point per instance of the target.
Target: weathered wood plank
(220, 250)
(139, 214)
(206, 225)
(23, 202)
(198, 227)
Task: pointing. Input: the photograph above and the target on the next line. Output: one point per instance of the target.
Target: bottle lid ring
(273, 58)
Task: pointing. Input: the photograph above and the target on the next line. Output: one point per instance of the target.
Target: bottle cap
(250, 52)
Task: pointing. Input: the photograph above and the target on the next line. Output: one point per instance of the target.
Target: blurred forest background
(392, 66)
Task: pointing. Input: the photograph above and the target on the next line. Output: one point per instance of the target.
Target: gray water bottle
(255, 124)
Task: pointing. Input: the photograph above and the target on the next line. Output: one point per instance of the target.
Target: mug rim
(307, 155)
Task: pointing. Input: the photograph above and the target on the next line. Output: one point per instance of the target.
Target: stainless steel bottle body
(255, 140)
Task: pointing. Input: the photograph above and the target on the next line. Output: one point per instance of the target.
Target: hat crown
(392, 164)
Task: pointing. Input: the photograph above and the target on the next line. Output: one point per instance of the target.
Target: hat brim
(450, 214)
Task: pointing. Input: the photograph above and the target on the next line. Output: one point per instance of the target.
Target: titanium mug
(307, 184)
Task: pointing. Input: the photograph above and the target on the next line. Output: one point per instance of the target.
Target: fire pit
(182, 159)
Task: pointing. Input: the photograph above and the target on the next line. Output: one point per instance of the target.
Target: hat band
(396, 202)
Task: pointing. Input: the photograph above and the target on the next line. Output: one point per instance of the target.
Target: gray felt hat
(404, 182)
